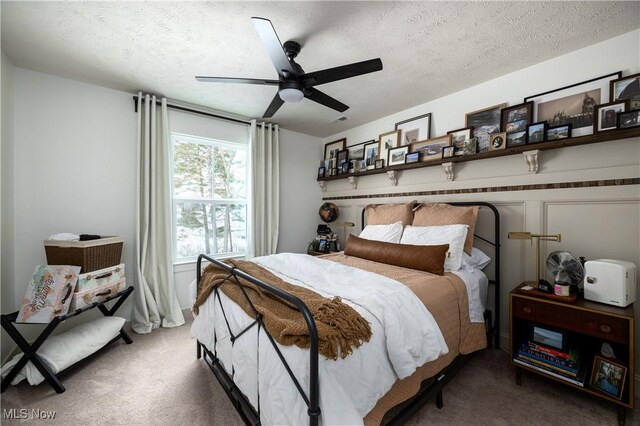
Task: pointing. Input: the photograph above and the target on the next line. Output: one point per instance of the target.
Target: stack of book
(560, 364)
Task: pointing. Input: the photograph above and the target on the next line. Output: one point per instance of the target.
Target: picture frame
(559, 132)
(345, 167)
(322, 246)
(627, 120)
(516, 118)
(485, 122)
(379, 163)
(497, 141)
(371, 155)
(412, 157)
(608, 377)
(447, 151)
(387, 141)
(626, 88)
(321, 171)
(397, 155)
(573, 104)
(356, 152)
(606, 115)
(414, 129)
(548, 336)
(343, 155)
(537, 132)
(470, 147)
(516, 139)
(458, 137)
(332, 146)
(431, 149)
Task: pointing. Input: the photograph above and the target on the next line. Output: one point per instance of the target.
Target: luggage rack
(30, 350)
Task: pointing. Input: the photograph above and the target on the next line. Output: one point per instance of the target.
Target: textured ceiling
(428, 49)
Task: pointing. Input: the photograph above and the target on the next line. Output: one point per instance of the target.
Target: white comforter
(405, 336)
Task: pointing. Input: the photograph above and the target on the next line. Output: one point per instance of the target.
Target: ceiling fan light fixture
(291, 94)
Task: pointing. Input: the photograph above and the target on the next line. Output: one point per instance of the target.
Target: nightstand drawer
(578, 320)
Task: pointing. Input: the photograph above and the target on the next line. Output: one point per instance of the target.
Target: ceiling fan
(293, 83)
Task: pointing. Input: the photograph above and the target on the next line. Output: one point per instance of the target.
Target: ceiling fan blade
(324, 99)
(339, 73)
(236, 80)
(274, 106)
(274, 48)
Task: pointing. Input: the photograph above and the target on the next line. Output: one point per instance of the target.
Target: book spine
(550, 351)
(575, 381)
(560, 370)
(561, 362)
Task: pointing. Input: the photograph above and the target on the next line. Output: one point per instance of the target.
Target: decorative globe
(328, 212)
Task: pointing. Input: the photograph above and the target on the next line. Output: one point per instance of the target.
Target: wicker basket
(89, 255)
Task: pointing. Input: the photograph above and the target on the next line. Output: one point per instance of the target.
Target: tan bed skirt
(446, 298)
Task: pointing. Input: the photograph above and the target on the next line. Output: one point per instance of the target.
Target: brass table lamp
(538, 238)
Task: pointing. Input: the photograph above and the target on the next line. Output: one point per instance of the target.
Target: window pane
(231, 233)
(193, 169)
(229, 173)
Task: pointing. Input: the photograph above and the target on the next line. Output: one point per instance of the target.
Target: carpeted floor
(158, 381)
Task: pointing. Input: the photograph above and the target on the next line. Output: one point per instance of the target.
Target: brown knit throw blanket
(340, 328)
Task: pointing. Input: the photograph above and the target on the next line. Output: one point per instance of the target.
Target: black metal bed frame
(251, 416)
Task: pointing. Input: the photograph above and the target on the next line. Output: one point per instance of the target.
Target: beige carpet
(158, 381)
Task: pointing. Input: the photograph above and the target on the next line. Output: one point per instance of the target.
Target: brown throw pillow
(386, 214)
(445, 214)
(423, 258)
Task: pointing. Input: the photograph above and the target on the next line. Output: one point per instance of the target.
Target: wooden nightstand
(583, 326)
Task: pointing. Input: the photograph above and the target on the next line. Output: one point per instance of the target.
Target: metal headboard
(495, 329)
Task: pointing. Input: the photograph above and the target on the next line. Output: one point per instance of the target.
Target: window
(210, 180)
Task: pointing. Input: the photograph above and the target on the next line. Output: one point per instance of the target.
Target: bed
(423, 329)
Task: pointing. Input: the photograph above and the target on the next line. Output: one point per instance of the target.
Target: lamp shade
(291, 95)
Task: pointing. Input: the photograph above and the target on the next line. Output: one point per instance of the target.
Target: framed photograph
(626, 88)
(573, 104)
(470, 147)
(497, 141)
(559, 132)
(321, 171)
(343, 155)
(371, 155)
(606, 115)
(549, 337)
(431, 149)
(536, 132)
(447, 151)
(412, 157)
(396, 155)
(516, 139)
(322, 246)
(626, 120)
(608, 376)
(414, 129)
(333, 146)
(485, 122)
(515, 119)
(356, 152)
(458, 137)
(345, 167)
(379, 164)
(387, 141)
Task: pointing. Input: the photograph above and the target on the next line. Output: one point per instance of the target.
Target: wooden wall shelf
(581, 140)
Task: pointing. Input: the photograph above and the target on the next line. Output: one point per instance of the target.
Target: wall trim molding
(531, 187)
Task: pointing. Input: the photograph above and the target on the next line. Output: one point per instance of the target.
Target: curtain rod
(181, 108)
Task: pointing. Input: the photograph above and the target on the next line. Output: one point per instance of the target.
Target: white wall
(595, 222)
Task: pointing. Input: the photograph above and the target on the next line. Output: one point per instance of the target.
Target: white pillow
(477, 259)
(454, 235)
(387, 233)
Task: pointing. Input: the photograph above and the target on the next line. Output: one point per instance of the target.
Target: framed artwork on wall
(387, 141)
(333, 146)
(485, 122)
(626, 120)
(414, 129)
(371, 155)
(559, 132)
(626, 88)
(397, 155)
(431, 149)
(458, 137)
(606, 115)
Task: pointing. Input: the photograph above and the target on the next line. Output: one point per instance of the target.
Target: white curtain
(155, 300)
(265, 181)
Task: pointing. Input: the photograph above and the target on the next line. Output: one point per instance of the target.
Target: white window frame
(212, 201)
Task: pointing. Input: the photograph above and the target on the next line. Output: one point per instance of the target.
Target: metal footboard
(249, 414)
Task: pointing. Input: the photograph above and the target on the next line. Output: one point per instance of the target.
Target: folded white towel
(64, 236)
(61, 351)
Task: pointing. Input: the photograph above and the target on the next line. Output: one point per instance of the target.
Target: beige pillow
(386, 214)
(444, 214)
(422, 258)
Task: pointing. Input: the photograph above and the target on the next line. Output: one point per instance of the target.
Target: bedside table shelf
(586, 326)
